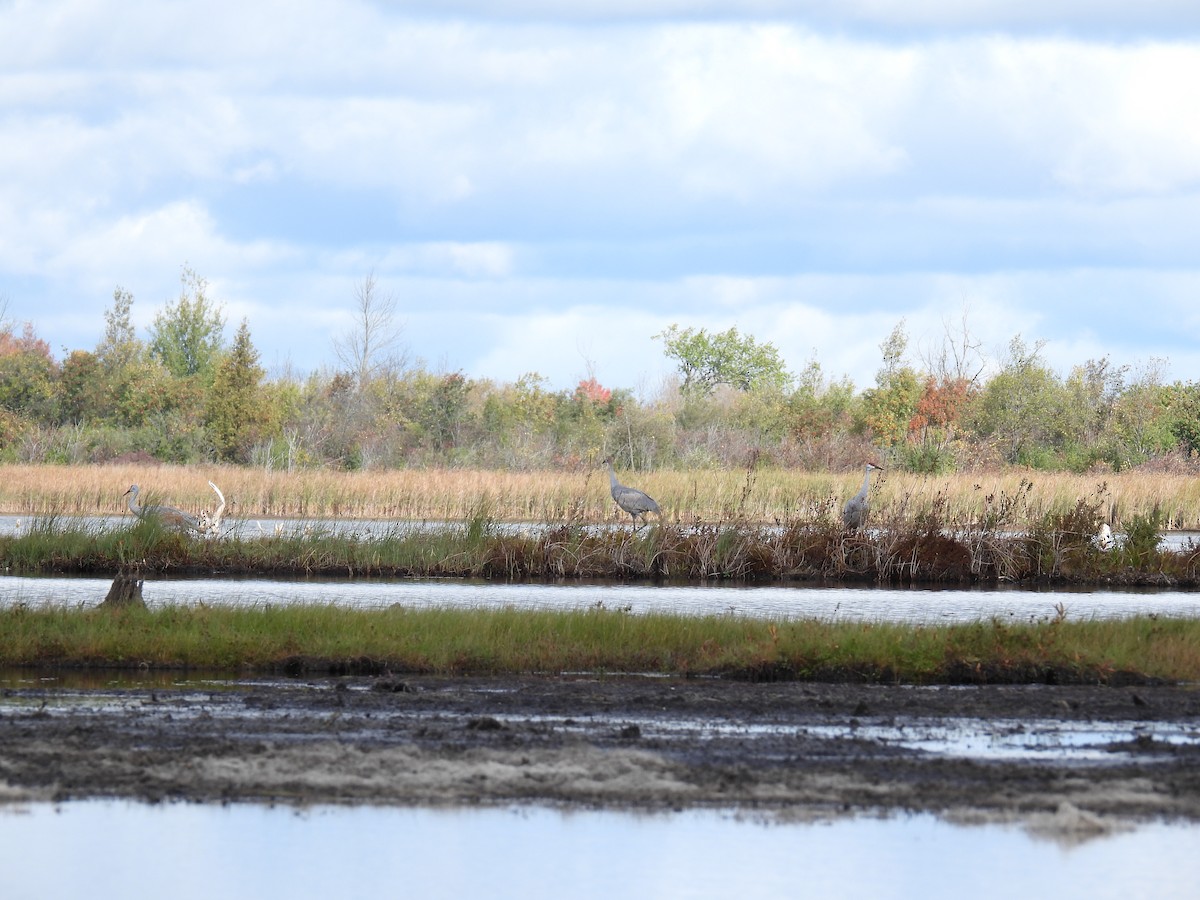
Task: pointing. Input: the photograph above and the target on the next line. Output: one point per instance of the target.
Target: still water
(366, 529)
(102, 849)
(772, 601)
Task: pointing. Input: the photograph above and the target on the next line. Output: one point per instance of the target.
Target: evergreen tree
(237, 414)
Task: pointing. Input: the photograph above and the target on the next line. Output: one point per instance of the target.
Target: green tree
(889, 408)
(819, 407)
(431, 411)
(83, 391)
(1140, 424)
(120, 348)
(585, 418)
(1091, 392)
(236, 414)
(187, 336)
(1184, 416)
(29, 376)
(1019, 409)
(708, 360)
(134, 386)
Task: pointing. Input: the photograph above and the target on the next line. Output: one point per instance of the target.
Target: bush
(926, 460)
(1143, 532)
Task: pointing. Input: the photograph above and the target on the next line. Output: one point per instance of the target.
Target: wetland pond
(111, 849)
(911, 605)
(444, 845)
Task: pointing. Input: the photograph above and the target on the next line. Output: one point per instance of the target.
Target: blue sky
(544, 186)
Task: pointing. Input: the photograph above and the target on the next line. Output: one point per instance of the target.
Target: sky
(544, 186)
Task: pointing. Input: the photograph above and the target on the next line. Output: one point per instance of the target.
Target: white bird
(1104, 538)
(854, 513)
(164, 515)
(635, 502)
(211, 524)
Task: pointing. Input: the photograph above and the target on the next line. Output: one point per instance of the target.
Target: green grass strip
(327, 638)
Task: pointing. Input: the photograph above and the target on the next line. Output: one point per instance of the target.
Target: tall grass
(472, 641)
(759, 496)
(1057, 548)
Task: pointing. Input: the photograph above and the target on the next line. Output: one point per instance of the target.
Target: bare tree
(960, 357)
(372, 346)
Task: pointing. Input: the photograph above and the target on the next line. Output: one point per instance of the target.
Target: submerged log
(126, 591)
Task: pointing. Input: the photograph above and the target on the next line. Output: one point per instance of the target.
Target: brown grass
(763, 496)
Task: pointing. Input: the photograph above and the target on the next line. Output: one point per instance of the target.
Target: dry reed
(759, 496)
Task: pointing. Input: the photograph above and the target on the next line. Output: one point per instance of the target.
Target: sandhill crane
(854, 513)
(210, 525)
(164, 515)
(635, 502)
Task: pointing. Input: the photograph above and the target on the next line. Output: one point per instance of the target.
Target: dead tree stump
(126, 591)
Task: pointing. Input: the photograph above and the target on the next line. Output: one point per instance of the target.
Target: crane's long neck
(133, 504)
(612, 477)
(866, 481)
(221, 508)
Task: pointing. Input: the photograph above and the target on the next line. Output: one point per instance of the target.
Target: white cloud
(1146, 138)
(449, 259)
(162, 239)
(534, 178)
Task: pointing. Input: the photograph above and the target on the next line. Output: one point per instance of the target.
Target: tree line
(184, 393)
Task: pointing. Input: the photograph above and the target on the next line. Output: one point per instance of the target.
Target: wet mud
(1077, 758)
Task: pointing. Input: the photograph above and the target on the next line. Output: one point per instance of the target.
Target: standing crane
(854, 513)
(164, 515)
(209, 525)
(635, 502)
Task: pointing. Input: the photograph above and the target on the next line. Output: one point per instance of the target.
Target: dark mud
(784, 749)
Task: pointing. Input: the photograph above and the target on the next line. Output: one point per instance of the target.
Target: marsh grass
(1058, 547)
(329, 639)
(754, 495)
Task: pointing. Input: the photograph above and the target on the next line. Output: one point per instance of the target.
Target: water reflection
(117, 849)
(913, 605)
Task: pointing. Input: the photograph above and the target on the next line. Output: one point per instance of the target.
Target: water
(103, 849)
(116, 848)
(253, 527)
(914, 605)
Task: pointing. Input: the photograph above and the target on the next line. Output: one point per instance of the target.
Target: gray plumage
(854, 513)
(168, 516)
(635, 502)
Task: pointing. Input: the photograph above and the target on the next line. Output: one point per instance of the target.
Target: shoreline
(784, 750)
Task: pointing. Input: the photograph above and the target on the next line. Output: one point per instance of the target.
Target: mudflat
(1073, 758)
